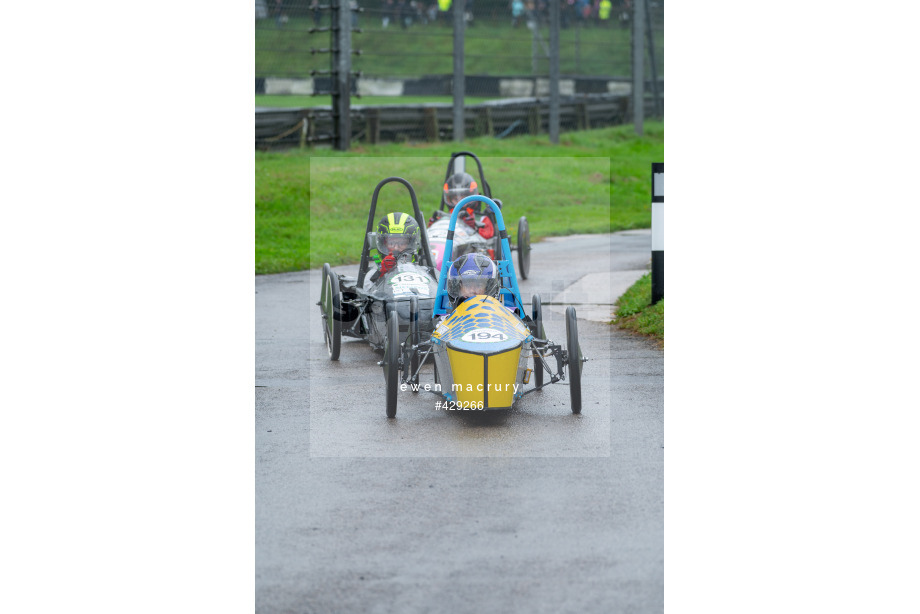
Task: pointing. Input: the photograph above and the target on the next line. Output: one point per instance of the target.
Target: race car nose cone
(488, 376)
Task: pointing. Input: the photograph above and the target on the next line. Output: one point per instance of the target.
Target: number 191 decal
(484, 335)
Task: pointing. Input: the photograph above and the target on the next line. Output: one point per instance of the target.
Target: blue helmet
(472, 275)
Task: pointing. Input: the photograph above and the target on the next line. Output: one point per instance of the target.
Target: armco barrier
(434, 121)
(442, 85)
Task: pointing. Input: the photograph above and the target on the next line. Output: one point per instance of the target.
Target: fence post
(341, 73)
(657, 231)
(459, 84)
(373, 126)
(651, 56)
(534, 18)
(554, 72)
(581, 112)
(431, 124)
(638, 63)
(311, 128)
(484, 125)
(533, 119)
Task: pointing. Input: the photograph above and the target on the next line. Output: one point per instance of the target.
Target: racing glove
(467, 216)
(387, 263)
(435, 217)
(487, 228)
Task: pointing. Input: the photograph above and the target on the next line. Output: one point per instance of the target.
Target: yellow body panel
(467, 368)
(483, 372)
(484, 381)
(503, 370)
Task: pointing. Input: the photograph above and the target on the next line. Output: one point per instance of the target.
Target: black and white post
(657, 231)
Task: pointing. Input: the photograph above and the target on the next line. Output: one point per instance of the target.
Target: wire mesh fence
(406, 48)
(434, 122)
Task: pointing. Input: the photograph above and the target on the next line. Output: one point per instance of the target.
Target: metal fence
(433, 122)
(405, 48)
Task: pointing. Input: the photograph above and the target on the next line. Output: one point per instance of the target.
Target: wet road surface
(535, 509)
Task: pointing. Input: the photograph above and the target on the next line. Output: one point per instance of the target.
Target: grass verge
(594, 181)
(636, 314)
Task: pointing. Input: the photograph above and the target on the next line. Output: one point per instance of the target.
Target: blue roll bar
(506, 264)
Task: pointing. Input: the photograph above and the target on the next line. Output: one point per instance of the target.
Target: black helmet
(397, 233)
(458, 187)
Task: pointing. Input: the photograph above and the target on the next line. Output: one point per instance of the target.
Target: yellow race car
(485, 349)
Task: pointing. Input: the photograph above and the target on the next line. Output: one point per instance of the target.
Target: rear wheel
(331, 305)
(574, 358)
(413, 339)
(391, 363)
(538, 333)
(523, 247)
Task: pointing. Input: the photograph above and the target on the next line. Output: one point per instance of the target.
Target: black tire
(413, 339)
(538, 332)
(574, 358)
(391, 363)
(331, 305)
(523, 247)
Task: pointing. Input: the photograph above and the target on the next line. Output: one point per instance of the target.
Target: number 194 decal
(484, 335)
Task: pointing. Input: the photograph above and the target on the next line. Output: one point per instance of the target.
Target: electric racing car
(363, 307)
(485, 349)
(466, 237)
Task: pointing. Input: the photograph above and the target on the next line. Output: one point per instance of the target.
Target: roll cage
(425, 258)
(510, 294)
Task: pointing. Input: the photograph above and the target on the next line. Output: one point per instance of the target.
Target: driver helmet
(397, 233)
(472, 275)
(458, 187)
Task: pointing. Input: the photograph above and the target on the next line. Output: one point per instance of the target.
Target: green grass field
(311, 206)
(636, 314)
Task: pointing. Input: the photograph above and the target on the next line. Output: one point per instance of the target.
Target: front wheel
(331, 305)
(391, 363)
(523, 247)
(574, 358)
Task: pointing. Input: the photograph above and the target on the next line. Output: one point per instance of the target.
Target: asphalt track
(532, 510)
